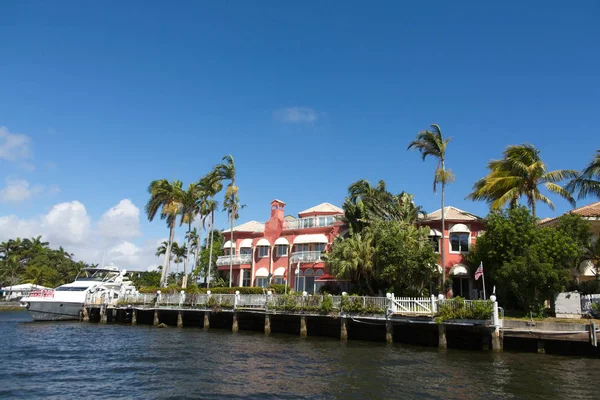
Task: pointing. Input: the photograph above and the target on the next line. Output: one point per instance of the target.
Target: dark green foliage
(458, 309)
(526, 263)
(33, 261)
(327, 304)
(278, 288)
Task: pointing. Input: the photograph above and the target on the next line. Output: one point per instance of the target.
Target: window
(263, 251)
(226, 251)
(302, 247)
(305, 281)
(435, 242)
(246, 278)
(325, 221)
(279, 280)
(459, 242)
(308, 223)
(319, 247)
(282, 250)
(246, 250)
(261, 282)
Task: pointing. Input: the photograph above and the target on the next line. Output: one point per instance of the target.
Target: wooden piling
(206, 320)
(235, 326)
(103, 316)
(497, 340)
(344, 329)
(389, 331)
(267, 324)
(541, 349)
(86, 315)
(303, 330)
(134, 317)
(180, 319)
(442, 342)
(156, 321)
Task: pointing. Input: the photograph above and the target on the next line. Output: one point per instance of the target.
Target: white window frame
(246, 277)
(261, 253)
(279, 249)
(460, 251)
(262, 281)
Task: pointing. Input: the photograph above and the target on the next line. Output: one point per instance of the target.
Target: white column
(252, 277)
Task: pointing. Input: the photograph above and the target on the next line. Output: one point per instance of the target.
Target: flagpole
(483, 279)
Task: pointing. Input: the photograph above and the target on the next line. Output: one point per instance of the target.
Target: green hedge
(356, 305)
(457, 309)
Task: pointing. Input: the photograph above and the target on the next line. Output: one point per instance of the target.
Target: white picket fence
(414, 305)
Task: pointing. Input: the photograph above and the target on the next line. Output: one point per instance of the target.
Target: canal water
(73, 359)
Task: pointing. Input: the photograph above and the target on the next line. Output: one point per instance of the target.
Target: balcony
(311, 222)
(306, 257)
(237, 259)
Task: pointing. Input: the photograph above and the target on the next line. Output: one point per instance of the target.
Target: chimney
(277, 207)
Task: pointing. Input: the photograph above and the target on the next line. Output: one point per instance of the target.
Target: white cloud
(14, 146)
(120, 221)
(296, 115)
(17, 190)
(69, 225)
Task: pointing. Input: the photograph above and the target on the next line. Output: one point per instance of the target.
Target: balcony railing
(311, 222)
(237, 259)
(306, 257)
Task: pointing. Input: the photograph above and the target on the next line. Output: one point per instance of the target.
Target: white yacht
(106, 285)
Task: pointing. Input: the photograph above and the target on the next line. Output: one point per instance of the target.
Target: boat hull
(53, 310)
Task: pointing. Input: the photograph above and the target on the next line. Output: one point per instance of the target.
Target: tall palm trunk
(166, 263)
(185, 261)
(230, 247)
(212, 229)
(198, 244)
(443, 233)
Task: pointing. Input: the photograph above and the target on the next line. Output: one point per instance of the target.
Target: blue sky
(307, 96)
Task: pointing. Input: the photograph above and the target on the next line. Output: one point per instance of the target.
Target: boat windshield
(98, 275)
(70, 289)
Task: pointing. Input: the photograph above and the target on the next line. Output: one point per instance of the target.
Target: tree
(588, 182)
(33, 261)
(520, 173)
(209, 186)
(166, 197)
(189, 211)
(231, 202)
(404, 257)
(366, 204)
(179, 255)
(208, 254)
(528, 264)
(353, 258)
(432, 143)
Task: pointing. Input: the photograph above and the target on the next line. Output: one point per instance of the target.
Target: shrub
(279, 288)
(458, 309)
(330, 287)
(327, 304)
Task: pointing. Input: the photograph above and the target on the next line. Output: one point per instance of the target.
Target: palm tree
(189, 211)
(432, 143)
(179, 255)
(162, 250)
(167, 197)
(193, 241)
(210, 185)
(226, 171)
(353, 258)
(520, 173)
(588, 182)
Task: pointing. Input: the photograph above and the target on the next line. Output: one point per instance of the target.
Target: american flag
(479, 271)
